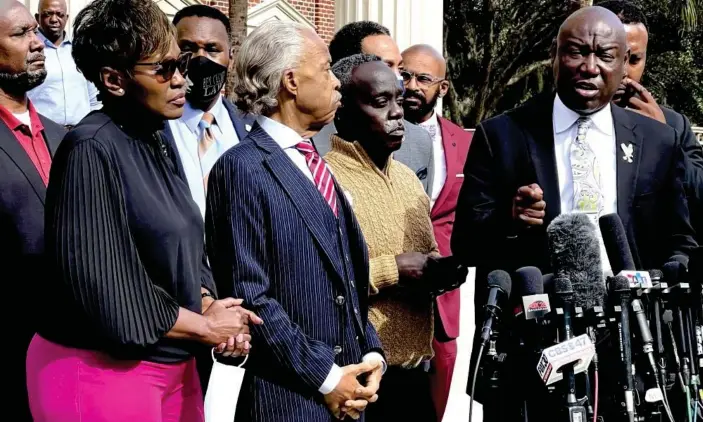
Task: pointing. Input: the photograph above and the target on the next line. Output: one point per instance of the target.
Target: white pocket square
(460, 176)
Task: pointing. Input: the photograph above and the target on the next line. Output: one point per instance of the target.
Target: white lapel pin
(628, 149)
(248, 128)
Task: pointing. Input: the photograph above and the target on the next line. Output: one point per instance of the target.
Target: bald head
(424, 72)
(590, 60)
(52, 16)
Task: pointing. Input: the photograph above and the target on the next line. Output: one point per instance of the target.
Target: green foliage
(498, 54)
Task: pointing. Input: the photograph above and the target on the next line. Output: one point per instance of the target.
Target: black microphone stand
(575, 410)
(625, 295)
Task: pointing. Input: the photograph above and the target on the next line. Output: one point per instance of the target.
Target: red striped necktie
(321, 174)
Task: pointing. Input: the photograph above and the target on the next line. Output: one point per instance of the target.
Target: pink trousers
(73, 385)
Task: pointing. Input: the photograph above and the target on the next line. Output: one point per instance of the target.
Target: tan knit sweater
(394, 214)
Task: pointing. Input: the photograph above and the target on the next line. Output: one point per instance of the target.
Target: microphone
(533, 302)
(656, 316)
(499, 284)
(619, 253)
(620, 287)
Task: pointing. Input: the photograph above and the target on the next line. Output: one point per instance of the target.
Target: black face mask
(207, 78)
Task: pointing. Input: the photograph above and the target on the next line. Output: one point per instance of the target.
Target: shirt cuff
(375, 356)
(333, 378)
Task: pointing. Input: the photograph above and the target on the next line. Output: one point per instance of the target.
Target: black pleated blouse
(124, 243)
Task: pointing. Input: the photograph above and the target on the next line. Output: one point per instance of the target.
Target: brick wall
(319, 12)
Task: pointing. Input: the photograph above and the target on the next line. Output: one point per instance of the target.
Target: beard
(20, 83)
(417, 113)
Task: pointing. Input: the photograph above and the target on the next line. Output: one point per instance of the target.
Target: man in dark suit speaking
(572, 152)
(28, 141)
(282, 236)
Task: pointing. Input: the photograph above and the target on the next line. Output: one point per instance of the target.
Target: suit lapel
(451, 164)
(53, 134)
(540, 144)
(626, 171)
(237, 121)
(305, 197)
(18, 155)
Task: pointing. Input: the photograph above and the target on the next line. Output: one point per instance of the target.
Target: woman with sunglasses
(128, 299)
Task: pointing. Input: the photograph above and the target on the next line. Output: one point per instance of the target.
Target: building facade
(410, 21)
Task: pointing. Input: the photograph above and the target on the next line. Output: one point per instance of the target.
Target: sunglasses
(165, 69)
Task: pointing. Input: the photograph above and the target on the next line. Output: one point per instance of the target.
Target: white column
(410, 21)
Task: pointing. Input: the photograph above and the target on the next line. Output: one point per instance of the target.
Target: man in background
(424, 75)
(28, 141)
(210, 124)
(372, 38)
(634, 96)
(394, 215)
(65, 96)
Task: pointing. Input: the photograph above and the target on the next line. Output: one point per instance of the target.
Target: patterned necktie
(205, 142)
(432, 130)
(321, 174)
(588, 197)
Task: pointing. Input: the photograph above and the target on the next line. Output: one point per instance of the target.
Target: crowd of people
(319, 222)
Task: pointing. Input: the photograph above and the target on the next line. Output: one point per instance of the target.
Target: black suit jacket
(693, 181)
(22, 194)
(517, 148)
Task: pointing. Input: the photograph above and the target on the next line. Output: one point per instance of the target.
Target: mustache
(393, 125)
(414, 94)
(35, 57)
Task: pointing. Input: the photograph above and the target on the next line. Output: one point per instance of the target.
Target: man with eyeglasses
(424, 76)
(65, 96)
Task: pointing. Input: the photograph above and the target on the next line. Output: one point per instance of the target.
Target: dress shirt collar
(432, 121)
(564, 118)
(48, 43)
(284, 136)
(192, 116)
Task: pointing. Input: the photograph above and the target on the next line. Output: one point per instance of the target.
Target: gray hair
(344, 68)
(266, 53)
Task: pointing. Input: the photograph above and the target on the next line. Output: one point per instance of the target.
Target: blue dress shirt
(65, 96)
(186, 134)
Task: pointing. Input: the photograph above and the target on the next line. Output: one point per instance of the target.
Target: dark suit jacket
(693, 182)
(273, 241)
(415, 151)
(517, 148)
(240, 120)
(456, 142)
(22, 194)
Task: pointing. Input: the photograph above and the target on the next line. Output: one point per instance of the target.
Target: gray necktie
(588, 197)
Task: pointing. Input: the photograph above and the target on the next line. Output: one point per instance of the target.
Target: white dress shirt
(439, 161)
(287, 139)
(601, 139)
(187, 133)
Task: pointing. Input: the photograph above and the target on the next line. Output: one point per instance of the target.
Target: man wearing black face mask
(210, 124)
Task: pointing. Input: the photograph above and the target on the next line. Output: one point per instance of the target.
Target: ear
(443, 88)
(114, 81)
(290, 82)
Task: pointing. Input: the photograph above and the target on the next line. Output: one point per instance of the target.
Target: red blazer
(456, 143)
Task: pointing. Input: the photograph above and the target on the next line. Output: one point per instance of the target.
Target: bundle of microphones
(589, 347)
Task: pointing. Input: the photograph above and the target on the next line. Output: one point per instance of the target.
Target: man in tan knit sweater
(394, 214)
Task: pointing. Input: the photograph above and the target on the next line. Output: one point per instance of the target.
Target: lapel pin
(628, 150)
(248, 128)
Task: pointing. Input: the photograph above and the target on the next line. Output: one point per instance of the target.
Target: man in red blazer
(424, 75)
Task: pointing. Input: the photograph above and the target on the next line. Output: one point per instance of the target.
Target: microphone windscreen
(655, 274)
(501, 280)
(575, 255)
(548, 283)
(673, 272)
(528, 281)
(562, 286)
(619, 283)
(616, 245)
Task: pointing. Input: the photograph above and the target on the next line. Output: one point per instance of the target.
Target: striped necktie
(321, 174)
(205, 142)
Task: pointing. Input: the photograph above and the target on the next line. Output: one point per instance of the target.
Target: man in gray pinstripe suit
(281, 235)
